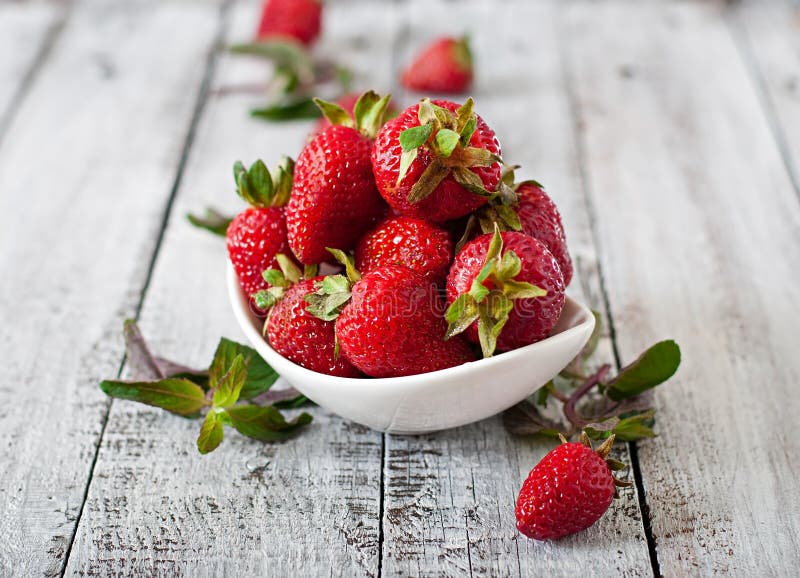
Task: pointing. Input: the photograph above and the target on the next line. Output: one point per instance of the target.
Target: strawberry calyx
(501, 210)
(368, 113)
(333, 291)
(462, 54)
(280, 280)
(603, 450)
(491, 296)
(261, 188)
(446, 135)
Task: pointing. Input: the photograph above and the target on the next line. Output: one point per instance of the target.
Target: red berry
(540, 218)
(532, 318)
(417, 244)
(568, 491)
(393, 326)
(334, 199)
(302, 338)
(443, 66)
(449, 200)
(296, 19)
(254, 237)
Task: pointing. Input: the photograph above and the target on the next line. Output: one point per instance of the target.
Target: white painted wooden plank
(700, 230)
(24, 31)
(768, 33)
(449, 497)
(85, 172)
(306, 507)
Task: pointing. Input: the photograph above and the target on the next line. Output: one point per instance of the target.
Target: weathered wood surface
(306, 507)
(26, 32)
(663, 130)
(700, 233)
(85, 171)
(769, 37)
(449, 497)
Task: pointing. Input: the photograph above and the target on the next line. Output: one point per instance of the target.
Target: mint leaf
(229, 386)
(264, 423)
(260, 376)
(300, 109)
(415, 137)
(292, 402)
(213, 222)
(176, 395)
(211, 433)
(653, 367)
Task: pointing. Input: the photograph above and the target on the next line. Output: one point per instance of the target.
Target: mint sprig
(236, 373)
(595, 403)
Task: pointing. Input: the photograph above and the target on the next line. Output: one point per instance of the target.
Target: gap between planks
(200, 102)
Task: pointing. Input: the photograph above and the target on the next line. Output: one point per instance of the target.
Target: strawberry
(527, 208)
(568, 491)
(295, 19)
(443, 66)
(348, 102)
(506, 290)
(436, 161)
(334, 198)
(389, 321)
(294, 332)
(258, 233)
(417, 244)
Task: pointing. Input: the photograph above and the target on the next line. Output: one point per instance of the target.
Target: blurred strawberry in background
(444, 66)
(298, 19)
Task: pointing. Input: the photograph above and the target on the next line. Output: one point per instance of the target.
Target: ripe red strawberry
(259, 233)
(389, 321)
(296, 19)
(417, 244)
(530, 210)
(506, 290)
(443, 66)
(568, 491)
(294, 332)
(334, 198)
(540, 219)
(348, 102)
(436, 161)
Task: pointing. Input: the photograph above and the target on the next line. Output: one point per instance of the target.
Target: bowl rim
(244, 317)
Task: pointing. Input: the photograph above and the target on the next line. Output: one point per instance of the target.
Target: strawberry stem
(569, 406)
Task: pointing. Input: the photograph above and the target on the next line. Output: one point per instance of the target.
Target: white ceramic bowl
(430, 401)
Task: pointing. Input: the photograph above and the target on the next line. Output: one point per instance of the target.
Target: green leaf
(430, 178)
(510, 266)
(292, 403)
(465, 114)
(335, 113)
(478, 291)
(264, 423)
(495, 247)
(229, 386)
(287, 55)
(522, 290)
(301, 109)
(460, 314)
(467, 132)
(426, 113)
(276, 278)
(327, 302)
(475, 157)
(176, 395)
(213, 221)
(265, 299)
(635, 427)
(211, 433)
(544, 393)
(406, 158)
(654, 366)
(471, 182)
(336, 284)
(260, 375)
(416, 136)
(349, 264)
(509, 217)
(369, 111)
(446, 141)
(291, 272)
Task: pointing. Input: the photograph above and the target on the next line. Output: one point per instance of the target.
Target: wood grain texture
(85, 171)
(769, 35)
(449, 497)
(700, 231)
(306, 507)
(25, 31)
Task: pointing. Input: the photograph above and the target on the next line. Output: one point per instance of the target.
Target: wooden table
(669, 134)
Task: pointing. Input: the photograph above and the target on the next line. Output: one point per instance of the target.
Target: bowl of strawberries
(398, 276)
